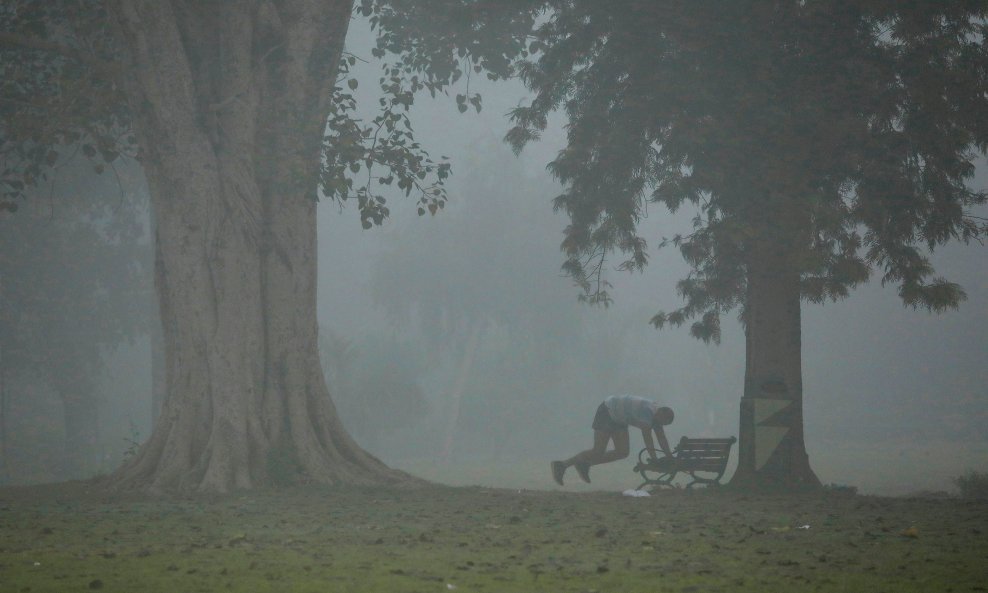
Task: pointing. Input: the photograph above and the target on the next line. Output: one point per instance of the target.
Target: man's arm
(660, 433)
(647, 437)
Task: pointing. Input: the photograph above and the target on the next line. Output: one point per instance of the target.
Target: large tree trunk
(771, 449)
(230, 101)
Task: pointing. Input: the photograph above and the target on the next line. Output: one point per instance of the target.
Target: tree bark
(157, 343)
(772, 451)
(230, 101)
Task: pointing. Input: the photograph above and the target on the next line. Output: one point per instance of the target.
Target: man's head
(663, 417)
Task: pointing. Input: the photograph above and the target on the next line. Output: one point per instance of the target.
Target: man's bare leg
(599, 453)
(594, 456)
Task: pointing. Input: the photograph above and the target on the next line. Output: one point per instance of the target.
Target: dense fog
(886, 388)
(456, 349)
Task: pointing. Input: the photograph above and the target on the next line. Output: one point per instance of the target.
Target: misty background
(454, 347)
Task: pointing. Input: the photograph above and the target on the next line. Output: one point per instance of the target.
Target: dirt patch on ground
(66, 538)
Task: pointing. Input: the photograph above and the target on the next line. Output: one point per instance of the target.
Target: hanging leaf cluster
(362, 158)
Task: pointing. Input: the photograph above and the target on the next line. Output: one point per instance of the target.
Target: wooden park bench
(704, 459)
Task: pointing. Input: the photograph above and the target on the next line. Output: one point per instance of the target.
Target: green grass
(479, 539)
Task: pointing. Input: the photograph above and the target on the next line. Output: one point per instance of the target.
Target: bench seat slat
(708, 466)
(704, 452)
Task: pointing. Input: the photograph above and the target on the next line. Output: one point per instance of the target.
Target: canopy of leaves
(424, 47)
(839, 133)
(59, 96)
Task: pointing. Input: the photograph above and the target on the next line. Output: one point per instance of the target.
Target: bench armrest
(662, 464)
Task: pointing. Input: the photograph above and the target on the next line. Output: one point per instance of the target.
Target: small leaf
(352, 83)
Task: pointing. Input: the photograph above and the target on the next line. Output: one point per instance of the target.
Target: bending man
(610, 423)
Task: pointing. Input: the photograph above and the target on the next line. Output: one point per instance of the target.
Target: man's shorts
(603, 422)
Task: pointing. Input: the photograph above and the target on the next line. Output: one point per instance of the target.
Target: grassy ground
(464, 539)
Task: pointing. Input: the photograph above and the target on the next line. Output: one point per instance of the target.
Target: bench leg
(708, 482)
(659, 481)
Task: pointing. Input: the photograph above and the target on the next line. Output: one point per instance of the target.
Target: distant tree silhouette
(74, 286)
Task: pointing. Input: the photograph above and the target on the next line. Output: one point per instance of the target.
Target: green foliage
(444, 41)
(431, 45)
(973, 484)
(842, 134)
(356, 152)
(59, 99)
